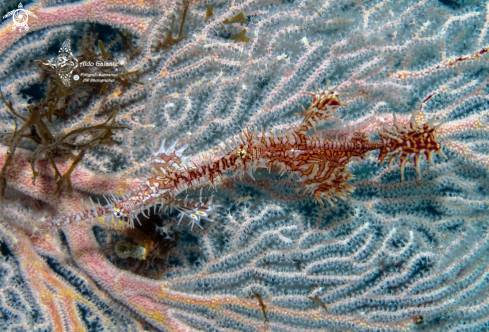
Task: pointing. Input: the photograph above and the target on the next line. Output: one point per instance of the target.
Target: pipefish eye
(241, 153)
(118, 214)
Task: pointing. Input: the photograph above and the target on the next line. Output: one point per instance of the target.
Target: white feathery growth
(113, 197)
(93, 205)
(139, 222)
(228, 146)
(167, 151)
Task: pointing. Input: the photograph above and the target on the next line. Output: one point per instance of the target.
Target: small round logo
(20, 17)
(76, 77)
(121, 62)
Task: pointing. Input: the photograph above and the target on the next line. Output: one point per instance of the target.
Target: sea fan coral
(248, 217)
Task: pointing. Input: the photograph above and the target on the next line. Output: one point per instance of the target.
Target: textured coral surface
(394, 256)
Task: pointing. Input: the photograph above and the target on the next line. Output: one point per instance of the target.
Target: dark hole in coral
(433, 211)
(455, 226)
(54, 47)
(63, 237)
(91, 321)
(5, 250)
(455, 4)
(34, 92)
(148, 224)
(99, 199)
